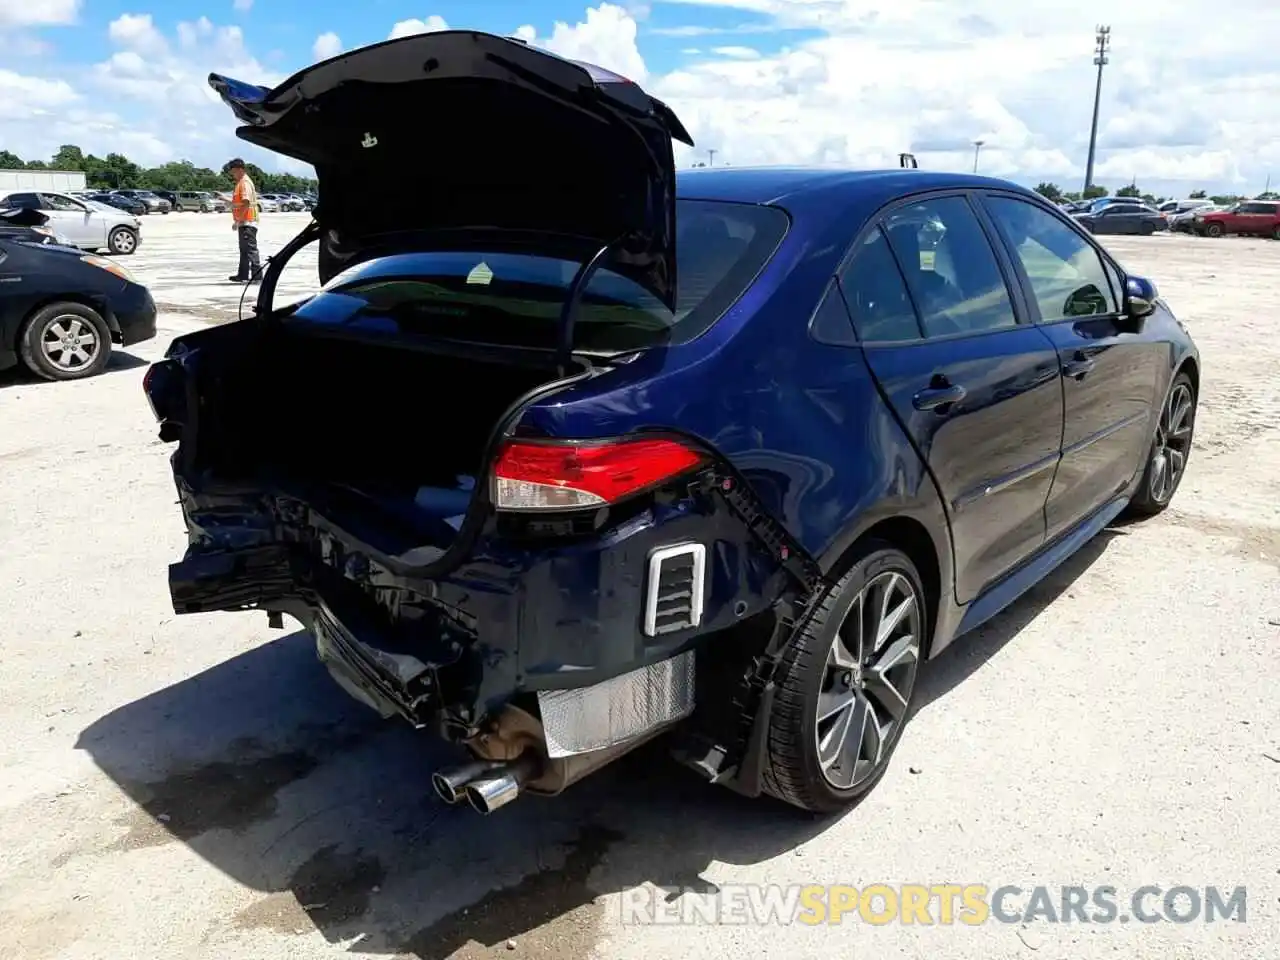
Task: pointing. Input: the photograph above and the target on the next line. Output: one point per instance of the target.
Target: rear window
(516, 299)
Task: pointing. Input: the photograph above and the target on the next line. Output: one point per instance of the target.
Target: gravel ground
(197, 787)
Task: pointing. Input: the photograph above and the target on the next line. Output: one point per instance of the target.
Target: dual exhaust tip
(485, 784)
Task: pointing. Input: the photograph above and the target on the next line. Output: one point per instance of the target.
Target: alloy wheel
(124, 242)
(1173, 442)
(70, 343)
(868, 679)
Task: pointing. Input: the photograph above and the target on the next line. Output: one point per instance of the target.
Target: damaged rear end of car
(380, 462)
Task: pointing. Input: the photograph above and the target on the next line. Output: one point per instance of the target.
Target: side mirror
(1139, 297)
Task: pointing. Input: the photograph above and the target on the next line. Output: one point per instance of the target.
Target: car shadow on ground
(267, 771)
(20, 376)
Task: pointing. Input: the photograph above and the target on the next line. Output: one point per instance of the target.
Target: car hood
(461, 140)
(22, 217)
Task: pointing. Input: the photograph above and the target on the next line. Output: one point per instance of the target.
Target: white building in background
(55, 181)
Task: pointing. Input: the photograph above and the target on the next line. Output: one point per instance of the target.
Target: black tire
(1213, 230)
(1171, 446)
(1275, 234)
(794, 770)
(122, 242)
(72, 323)
(1147, 229)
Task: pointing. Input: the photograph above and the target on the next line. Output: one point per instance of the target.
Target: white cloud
(607, 37)
(327, 45)
(405, 28)
(242, 5)
(884, 76)
(866, 80)
(22, 96)
(38, 13)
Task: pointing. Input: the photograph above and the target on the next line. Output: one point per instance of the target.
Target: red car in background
(1254, 218)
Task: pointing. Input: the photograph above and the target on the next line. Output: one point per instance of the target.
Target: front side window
(54, 201)
(1065, 271)
(949, 267)
(516, 299)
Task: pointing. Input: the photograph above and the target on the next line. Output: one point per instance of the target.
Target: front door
(1111, 370)
(975, 389)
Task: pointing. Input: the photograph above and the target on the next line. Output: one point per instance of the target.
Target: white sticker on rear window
(480, 274)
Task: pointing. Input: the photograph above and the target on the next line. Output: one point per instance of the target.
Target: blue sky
(851, 82)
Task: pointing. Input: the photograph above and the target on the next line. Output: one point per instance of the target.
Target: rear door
(975, 387)
(81, 225)
(1111, 366)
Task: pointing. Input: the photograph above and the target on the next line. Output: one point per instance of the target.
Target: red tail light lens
(565, 476)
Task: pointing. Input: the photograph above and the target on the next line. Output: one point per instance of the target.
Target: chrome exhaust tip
(450, 784)
(489, 792)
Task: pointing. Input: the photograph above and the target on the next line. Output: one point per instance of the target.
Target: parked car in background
(1172, 208)
(194, 201)
(87, 225)
(1250, 218)
(153, 203)
(29, 224)
(127, 204)
(168, 196)
(283, 202)
(62, 309)
(1182, 222)
(1123, 218)
(726, 465)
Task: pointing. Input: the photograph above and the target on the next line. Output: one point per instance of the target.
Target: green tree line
(116, 171)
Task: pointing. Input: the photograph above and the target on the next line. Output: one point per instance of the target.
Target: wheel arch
(1191, 367)
(929, 550)
(95, 303)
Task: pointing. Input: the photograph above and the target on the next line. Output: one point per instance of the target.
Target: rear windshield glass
(516, 299)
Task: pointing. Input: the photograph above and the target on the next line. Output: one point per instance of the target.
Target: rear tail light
(568, 475)
(162, 383)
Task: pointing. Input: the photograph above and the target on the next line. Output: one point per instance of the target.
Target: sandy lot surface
(197, 787)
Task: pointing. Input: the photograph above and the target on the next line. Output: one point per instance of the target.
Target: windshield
(516, 299)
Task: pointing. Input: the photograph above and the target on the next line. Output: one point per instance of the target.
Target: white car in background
(86, 224)
(268, 204)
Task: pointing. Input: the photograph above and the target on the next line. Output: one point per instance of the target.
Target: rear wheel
(1275, 233)
(1147, 229)
(847, 684)
(1170, 450)
(65, 341)
(1213, 230)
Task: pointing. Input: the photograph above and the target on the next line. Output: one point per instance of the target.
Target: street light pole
(977, 148)
(1102, 43)
(711, 158)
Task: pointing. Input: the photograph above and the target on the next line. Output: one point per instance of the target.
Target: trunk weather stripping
(275, 266)
(569, 311)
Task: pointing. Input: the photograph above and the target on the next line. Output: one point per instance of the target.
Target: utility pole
(977, 148)
(1102, 43)
(711, 155)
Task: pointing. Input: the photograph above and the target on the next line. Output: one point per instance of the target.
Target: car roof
(787, 186)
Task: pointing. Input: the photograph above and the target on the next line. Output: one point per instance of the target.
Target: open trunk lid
(461, 140)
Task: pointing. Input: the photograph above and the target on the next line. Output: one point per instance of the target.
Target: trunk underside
(397, 434)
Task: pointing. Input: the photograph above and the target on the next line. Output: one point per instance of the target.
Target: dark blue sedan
(571, 452)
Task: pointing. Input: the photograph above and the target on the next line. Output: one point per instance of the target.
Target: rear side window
(876, 294)
(516, 299)
(950, 268)
(1064, 270)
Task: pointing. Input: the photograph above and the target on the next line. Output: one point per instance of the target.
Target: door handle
(1078, 366)
(939, 395)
